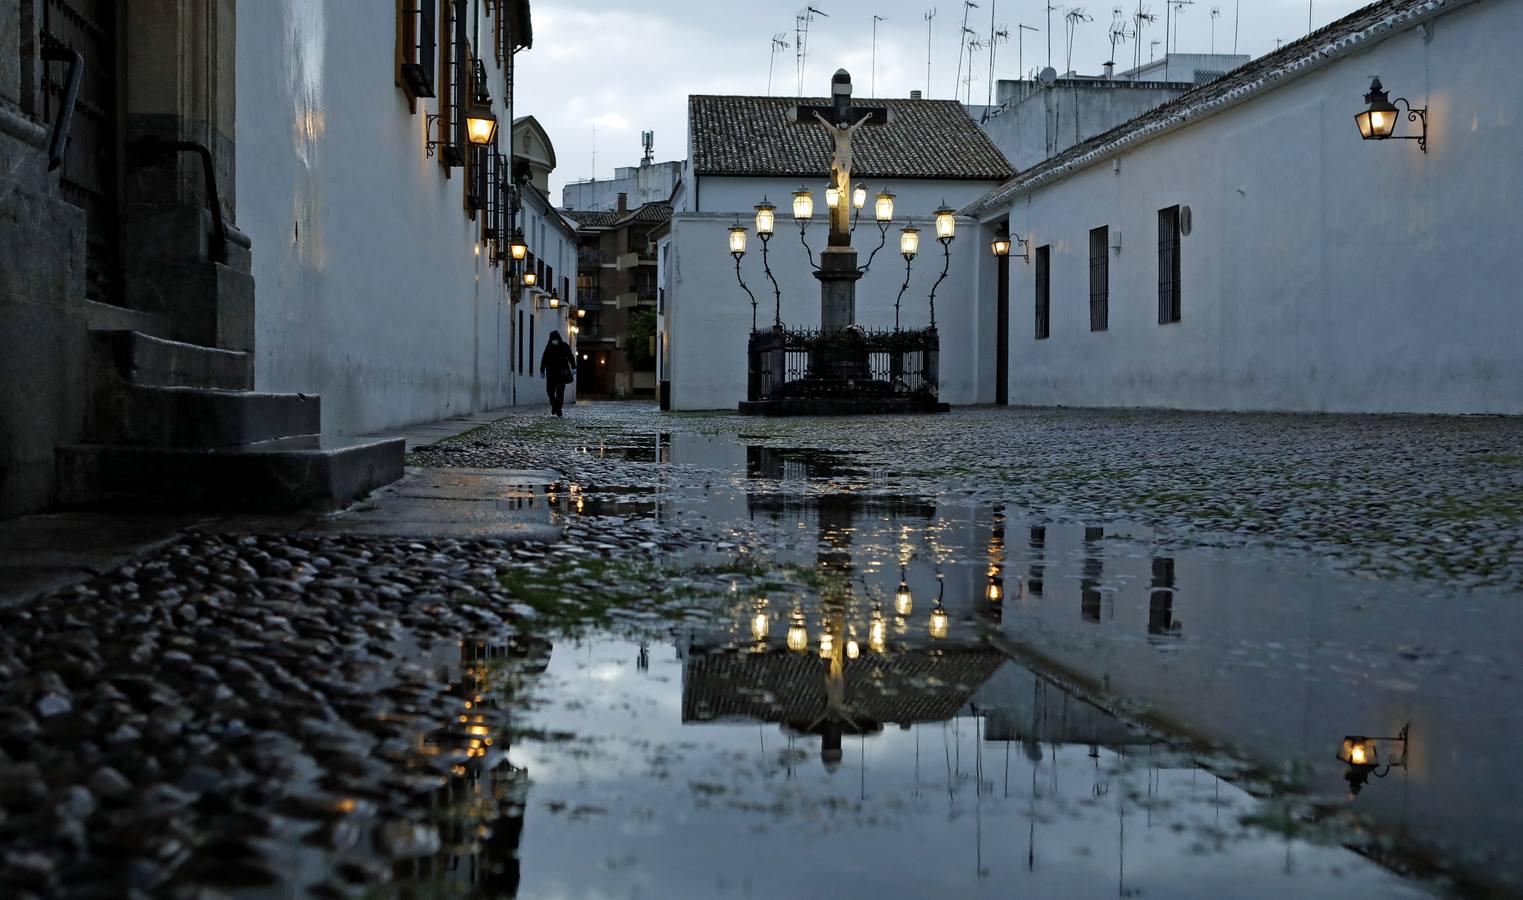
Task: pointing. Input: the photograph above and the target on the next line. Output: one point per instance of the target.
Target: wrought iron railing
(785, 364)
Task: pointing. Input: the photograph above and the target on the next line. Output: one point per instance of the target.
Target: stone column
(838, 277)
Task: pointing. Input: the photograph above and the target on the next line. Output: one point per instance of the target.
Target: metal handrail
(152, 147)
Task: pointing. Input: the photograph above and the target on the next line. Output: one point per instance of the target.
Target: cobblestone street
(362, 701)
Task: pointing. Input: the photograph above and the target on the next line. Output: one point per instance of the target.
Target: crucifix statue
(838, 264)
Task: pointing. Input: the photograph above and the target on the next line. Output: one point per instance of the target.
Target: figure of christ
(840, 177)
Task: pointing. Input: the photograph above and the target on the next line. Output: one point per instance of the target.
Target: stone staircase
(176, 426)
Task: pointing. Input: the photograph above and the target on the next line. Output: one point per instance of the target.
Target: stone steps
(175, 426)
(198, 418)
(143, 359)
(295, 473)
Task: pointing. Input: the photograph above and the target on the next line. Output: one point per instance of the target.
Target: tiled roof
(924, 139)
(1350, 34)
(645, 214)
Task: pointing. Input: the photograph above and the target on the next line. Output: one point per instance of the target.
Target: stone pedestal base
(838, 277)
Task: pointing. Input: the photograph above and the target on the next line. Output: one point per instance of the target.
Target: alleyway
(628, 653)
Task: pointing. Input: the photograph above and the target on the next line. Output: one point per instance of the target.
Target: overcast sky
(614, 68)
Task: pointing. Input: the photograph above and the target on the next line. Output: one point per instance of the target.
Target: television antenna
(1118, 31)
(1143, 18)
(1216, 13)
(1020, 46)
(801, 23)
(1000, 35)
(872, 90)
(967, 5)
(974, 42)
(779, 43)
(1178, 8)
(1072, 18)
(930, 15)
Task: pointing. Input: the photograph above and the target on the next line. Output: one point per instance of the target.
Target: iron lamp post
(738, 250)
(766, 221)
(946, 232)
(909, 245)
(803, 214)
(1377, 122)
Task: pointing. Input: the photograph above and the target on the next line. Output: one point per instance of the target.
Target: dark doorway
(91, 175)
(1002, 333)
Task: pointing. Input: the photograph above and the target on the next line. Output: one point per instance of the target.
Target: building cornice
(1297, 62)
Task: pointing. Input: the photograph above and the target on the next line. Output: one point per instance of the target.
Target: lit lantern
(1001, 243)
(573, 329)
(939, 622)
(531, 278)
(581, 313)
(760, 625)
(883, 206)
(555, 299)
(996, 591)
(803, 204)
(1378, 121)
(832, 197)
(859, 196)
(909, 241)
(798, 635)
(827, 643)
(517, 248)
(1358, 750)
(766, 217)
(904, 602)
(852, 650)
(946, 223)
(480, 126)
(738, 241)
(877, 633)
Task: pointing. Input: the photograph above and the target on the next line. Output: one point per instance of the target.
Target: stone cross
(841, 120)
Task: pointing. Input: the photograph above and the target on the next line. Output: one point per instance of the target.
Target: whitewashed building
(743, 150)
(1242, 248)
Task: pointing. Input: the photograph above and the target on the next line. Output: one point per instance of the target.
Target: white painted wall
(372, 288)
(1323, 273)
(708, 317)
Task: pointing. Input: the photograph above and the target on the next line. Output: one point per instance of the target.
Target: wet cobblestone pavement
(1041, 653)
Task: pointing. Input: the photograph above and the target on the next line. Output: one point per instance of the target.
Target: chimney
(1110, 70)
(914, 95)
(623, 202)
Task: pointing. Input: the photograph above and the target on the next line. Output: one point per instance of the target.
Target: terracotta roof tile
(925, 139)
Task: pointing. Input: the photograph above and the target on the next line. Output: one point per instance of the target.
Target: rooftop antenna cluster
(801, 23)
(1118, 31)
(1171, 38)
(930, 16)
(962, 38)
(1143, 17)
(997, 36)
(974, 43)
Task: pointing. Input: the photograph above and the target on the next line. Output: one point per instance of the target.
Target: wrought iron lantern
(832, 197)
(883, 206)
(517, 248)
(827, 644)
(555, 299)
(904, 601)
(939, 621)
(737, 240)
(1362, 756)
(531, 278)
(909, 242)
(946, 223)
(859, 196)
(803, 205)
(1377, 122)
(581, 313)
(480, 126)
(1000, 246)
(766, 218)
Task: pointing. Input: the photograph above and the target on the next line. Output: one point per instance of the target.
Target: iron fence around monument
(842, 365)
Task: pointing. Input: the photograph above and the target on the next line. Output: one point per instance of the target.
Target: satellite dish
(1048, 76)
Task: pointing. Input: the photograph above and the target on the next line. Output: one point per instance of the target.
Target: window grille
(418, 39)
(1043, 291)
(1168, 265)
(1099, 278)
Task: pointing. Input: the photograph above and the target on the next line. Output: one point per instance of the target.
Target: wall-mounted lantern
(480, 126)
(531, 278)
(1378, 121)
(555, 299)
(1362, 756)
(517, 248)
(1003, 243)
(581, 313)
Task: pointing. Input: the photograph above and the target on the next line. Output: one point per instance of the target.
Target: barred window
(416, 42)
(1099, 278)
(1168, 265)
(1043, 291)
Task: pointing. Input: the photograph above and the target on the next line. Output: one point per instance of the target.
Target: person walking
(556, 366)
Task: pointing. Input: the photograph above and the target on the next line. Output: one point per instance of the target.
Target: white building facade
(744, 150)
(1242, 248)
(379, 283)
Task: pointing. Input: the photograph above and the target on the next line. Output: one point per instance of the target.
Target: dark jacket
(556, 363)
